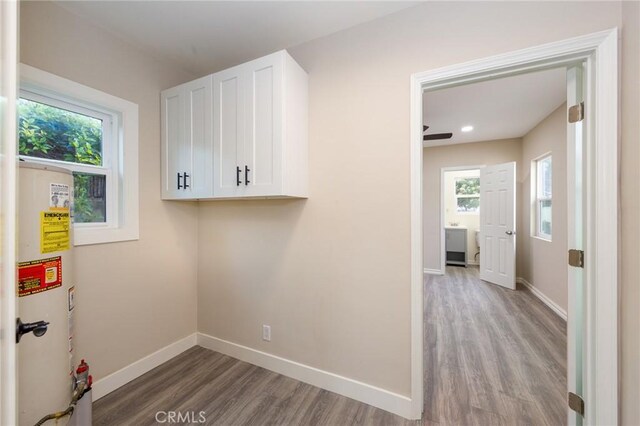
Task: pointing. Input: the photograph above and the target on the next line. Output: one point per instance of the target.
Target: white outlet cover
(266, 333)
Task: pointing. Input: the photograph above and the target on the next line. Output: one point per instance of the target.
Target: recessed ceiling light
(467, 128)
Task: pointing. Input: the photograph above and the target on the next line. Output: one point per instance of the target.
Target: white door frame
(443, 170)
(600, 50)
(8, 146)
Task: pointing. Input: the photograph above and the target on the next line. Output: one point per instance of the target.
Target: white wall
(471, 221)
(544, 263)
(136, 297)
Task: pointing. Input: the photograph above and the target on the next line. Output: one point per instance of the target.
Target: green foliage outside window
(467, 186)
(57, 134)
(468, 194)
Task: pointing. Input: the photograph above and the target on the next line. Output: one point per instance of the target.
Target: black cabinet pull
(186, 185)
(179, 184)
(246, 175)
(238, 171)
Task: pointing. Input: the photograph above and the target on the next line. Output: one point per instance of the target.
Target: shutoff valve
(39, 328)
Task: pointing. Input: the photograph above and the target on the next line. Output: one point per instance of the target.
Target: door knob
(39, 328)
(509, 232)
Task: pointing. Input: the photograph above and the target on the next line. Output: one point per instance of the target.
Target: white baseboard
(433, 271)
(540, 295)
(132, 371)
(377, 397)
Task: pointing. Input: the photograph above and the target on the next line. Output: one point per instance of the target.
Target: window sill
(546, 240)
(123, 222)
(90, 236)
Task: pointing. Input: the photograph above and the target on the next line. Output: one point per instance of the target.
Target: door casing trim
(600, 50)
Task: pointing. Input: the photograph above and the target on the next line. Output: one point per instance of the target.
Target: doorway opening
(593, 63)
(507, 343)
(460, 216)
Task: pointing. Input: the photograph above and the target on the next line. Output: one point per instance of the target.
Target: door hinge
(576, 403)
(576, 258)
(576, 113)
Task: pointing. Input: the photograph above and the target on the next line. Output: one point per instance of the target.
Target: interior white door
(497, 224)
(228, 134)
(576, 233)
(8, 306)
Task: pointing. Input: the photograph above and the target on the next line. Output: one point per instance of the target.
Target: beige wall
(544, 263)
(469, 154)
(471, 221)
(630, 208)
(136, 297)
(332, 274)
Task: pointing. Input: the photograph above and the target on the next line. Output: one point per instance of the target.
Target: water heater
(46, 291)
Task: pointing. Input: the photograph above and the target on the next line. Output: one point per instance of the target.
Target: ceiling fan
(435, 136)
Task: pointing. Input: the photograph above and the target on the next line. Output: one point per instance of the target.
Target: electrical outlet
(266, 332)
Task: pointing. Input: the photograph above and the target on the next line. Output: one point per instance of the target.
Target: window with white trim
(468, 195)
(543, 197)
(92, 134)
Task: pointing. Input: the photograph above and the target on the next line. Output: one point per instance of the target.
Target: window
(468, 195)
(72, 137)
(92, 134)
(543, 197)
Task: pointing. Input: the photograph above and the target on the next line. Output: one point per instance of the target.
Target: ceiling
(497, 109)
(207, 36)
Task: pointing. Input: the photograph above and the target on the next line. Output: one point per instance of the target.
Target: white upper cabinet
(187, 140)
(258, 138)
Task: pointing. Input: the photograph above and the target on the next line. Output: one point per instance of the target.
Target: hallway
(492, 356)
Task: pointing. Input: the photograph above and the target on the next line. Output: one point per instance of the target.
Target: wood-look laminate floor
(492, 356)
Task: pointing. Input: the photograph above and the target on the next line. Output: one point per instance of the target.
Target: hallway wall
(544, 263)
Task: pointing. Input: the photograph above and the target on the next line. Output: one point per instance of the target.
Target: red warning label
(37, 276)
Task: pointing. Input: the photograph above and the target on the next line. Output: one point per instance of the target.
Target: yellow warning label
(54, 231)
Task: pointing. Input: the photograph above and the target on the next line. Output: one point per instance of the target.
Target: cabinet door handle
(186, 185)
(238, 171)
(246, 175)
(179, 184)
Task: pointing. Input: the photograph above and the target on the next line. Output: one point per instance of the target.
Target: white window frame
(119, 150)
(455, 180)
(536, 184)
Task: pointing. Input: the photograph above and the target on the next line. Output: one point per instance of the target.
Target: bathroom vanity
(456, 245)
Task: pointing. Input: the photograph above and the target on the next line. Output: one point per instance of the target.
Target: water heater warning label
(54, 231)
(41, 275)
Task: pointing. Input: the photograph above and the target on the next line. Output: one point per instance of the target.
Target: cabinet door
(172, 108)
(456, 240)
(263, 136)
(198, 150)
(228, 134)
